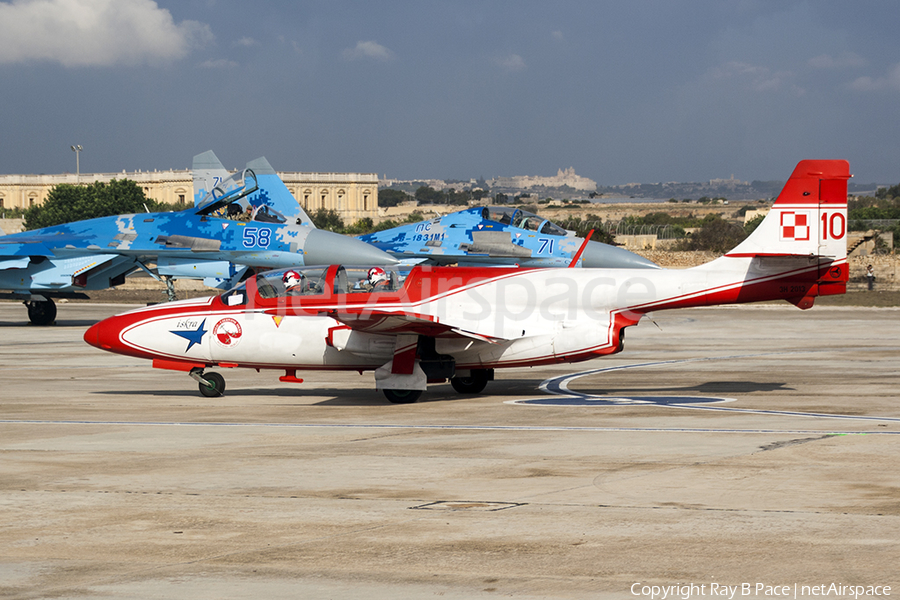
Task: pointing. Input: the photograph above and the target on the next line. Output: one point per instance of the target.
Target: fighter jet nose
(603, 256)
(327, 248)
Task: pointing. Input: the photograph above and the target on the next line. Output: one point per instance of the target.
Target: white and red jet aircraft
(429, 324)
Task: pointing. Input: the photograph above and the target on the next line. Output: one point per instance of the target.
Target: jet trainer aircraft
(498, 235)
(421, 324)
(239, 224)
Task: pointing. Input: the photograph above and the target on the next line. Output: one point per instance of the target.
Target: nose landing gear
(212, 385)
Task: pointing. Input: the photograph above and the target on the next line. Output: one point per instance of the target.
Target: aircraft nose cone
(603, 256)
(92, 335)
(104, 335)
(328, 248)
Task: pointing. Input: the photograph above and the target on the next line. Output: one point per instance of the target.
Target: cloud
(368, 50)
(80, 33)
(511, 63)
(558, 36)
(845, 60)
(246, 42)
(756, 78)
(221, 63)
(891, 81)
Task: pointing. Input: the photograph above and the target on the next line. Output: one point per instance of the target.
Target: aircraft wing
(401, 321)
(395, 320)
(12, 251)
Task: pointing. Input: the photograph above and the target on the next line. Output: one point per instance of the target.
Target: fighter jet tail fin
(207, 172)
(274, 194)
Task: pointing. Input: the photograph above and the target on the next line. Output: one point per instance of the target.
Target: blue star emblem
(193, 336)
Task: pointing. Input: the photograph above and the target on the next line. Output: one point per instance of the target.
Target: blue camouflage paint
(198, 243)
(497, 236)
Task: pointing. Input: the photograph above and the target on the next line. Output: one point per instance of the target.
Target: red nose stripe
(92, 335)
(104, 335)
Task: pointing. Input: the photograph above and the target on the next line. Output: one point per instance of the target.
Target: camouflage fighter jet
(498, 235)
(238, 225)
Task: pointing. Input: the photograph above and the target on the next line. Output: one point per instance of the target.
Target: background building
(352, 195)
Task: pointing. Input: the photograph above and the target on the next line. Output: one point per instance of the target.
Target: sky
(641, 91)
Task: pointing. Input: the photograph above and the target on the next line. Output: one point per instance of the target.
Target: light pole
(76, 149)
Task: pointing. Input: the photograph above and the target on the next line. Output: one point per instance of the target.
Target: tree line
(67, 203)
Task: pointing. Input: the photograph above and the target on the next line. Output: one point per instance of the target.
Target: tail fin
(273, 193)
(207, 172)
(808, 221)
(809, 218)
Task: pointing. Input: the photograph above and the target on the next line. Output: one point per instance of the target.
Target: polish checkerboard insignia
(795, 225)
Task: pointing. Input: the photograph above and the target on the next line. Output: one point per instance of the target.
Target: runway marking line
(446, 427)
(563, 396)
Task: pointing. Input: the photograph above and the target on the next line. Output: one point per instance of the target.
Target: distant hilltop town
(567, 184)
(564, 178)
(565, 181)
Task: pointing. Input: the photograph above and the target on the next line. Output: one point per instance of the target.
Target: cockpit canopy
(239, 185)
(319, 281)
(516, 217)
(225, 200)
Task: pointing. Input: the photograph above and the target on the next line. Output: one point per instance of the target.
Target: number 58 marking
(257, 236)
(833, 225)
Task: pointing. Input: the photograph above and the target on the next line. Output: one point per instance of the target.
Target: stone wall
(8, 226)
(887, 266)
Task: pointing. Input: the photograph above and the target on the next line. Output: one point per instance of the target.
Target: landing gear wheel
(402, 396)
(41, 312)
(474, 384)
(216, 387)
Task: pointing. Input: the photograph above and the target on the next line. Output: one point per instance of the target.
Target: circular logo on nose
(227, 333)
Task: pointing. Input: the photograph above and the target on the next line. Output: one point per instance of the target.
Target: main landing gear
(402, 396)
(41, 312)
(474, 383)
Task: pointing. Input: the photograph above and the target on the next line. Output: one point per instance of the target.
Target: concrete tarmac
(729, 446)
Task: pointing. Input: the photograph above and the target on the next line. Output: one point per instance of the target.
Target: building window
(180, 198)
